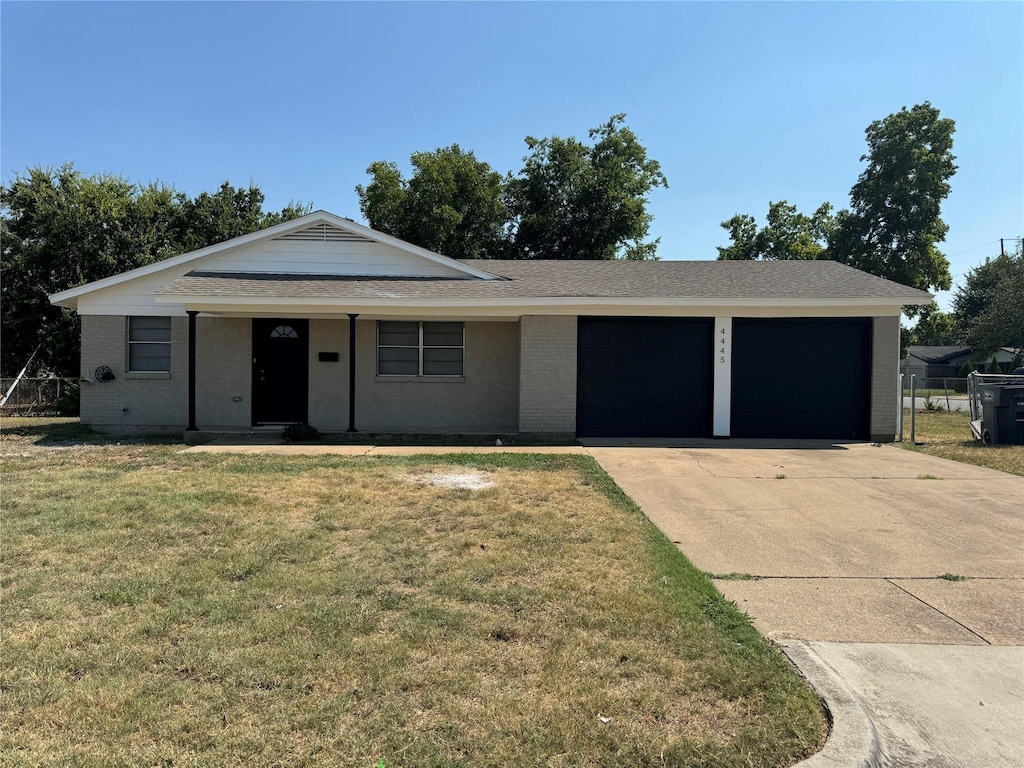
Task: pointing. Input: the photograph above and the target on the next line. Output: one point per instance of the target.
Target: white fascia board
(69, 297)
(240, 306)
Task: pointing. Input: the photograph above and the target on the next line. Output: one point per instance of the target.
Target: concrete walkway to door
(842, 548)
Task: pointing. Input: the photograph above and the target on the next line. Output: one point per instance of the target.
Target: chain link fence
(39, 397)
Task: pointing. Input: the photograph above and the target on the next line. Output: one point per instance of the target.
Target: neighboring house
(326, 320)
(1008, 359)
(948, 362)
(935, 362)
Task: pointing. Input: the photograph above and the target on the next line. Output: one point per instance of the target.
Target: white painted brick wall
(132, 402)
(547, 370)
(885, 361)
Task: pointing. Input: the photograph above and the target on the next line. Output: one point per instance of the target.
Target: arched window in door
(284, 332)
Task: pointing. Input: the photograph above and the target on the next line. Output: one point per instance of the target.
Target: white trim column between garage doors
(722, 367)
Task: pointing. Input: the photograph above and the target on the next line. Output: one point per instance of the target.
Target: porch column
(721, 364)
(192, 371)
(352, 373)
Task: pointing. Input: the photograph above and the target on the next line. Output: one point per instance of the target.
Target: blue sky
(742, 103)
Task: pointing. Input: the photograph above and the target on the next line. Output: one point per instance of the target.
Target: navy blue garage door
(644, 377)
(801, 378)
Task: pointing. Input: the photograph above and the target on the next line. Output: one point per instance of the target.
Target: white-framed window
(420, 348)
(149, 344)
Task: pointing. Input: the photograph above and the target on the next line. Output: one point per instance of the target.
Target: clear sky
(742, 103)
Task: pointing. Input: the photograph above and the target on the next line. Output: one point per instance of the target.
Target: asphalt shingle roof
(818, 280)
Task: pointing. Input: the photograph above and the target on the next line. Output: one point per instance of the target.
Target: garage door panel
(801, 378)
(644, 377)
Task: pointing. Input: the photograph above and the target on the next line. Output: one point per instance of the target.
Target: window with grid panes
(420, 348)
(149, 344)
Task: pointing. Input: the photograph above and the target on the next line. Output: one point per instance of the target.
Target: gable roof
(938, 354)
(319, 224)
(689, 282)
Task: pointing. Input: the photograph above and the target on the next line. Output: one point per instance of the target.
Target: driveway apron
(901, 573)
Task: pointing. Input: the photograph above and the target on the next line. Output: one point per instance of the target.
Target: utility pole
(1002, 248)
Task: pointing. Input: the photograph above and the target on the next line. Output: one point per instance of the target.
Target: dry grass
(948, 434)
(175, 609)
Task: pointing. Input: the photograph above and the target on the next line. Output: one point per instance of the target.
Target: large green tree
(788, 234)
(574, 200)
(60, 229)
(894, 223)
(893, 226)
(933, 328)
(452, 204)
(571, 200)
(988, 309)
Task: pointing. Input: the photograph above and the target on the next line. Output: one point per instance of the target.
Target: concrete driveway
(841, 549)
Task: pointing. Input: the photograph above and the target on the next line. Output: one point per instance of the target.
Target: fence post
(913, 408)
(945, 390)
(899, 408)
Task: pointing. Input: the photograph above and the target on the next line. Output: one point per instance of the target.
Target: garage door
(644, 377)
(801, 378)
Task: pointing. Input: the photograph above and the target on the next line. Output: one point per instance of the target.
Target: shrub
(70, 402)
(300, 433)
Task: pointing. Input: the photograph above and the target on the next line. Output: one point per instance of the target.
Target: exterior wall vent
(325, 233)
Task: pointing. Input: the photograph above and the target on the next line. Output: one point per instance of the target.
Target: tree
(934, 328)
(453, 204)
(574, 201)
(229, 212)
(788, 234)
(571, 200)
(60, 229)
(894, 223)
(989, 307)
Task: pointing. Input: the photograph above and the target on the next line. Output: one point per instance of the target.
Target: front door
(280, 371)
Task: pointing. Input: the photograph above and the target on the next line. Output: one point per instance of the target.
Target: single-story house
(935, 362)
(321, 319)
(947, 362)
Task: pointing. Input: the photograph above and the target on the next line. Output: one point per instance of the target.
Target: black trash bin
(1002, 413)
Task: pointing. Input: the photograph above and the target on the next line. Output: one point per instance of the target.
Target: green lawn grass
(165, 608)
(948, 434)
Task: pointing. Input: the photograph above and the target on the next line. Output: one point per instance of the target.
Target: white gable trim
(69, 298)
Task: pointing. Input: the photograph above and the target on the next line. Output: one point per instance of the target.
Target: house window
(419, 348)
(284, 332)
(149, 344)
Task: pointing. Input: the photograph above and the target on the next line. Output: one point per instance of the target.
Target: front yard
(162, 608)
(948, 434)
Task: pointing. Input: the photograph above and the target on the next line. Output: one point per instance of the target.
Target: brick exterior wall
(484, 400)
(547, 374)
(328, 382)
(885, 361)
(158, 402)
(223, 371)
(132, 403)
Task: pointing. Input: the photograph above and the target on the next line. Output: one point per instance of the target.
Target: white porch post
(722, 366)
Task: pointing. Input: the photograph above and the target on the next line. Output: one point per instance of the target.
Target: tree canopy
(60, 229)
(988, 309)
(893, 226)
(788, 234)
(453, 204)
(570, 200)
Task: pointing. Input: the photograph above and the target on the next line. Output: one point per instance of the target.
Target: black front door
(280, 371)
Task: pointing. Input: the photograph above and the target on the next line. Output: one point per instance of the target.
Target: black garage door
(644, 377)
(801, 378)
